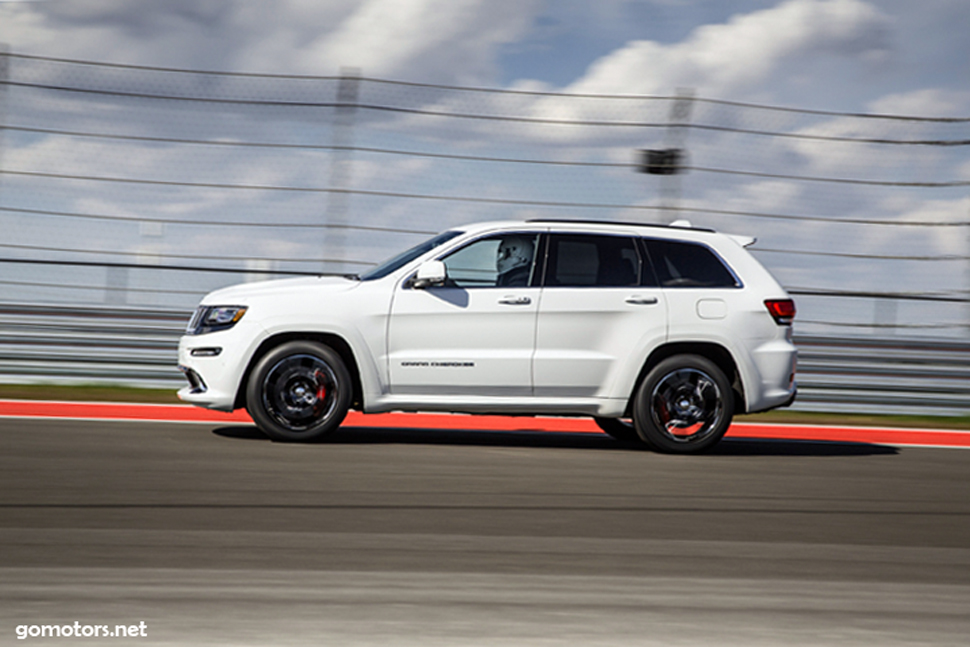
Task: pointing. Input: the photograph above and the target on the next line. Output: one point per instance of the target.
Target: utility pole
(675, 138)
(335, 231)
(4, 79)
(670, 161)
(967, 224)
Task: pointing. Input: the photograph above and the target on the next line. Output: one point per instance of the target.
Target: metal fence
(883, 375)
(128, 192)
(90, 345)
(144, 186)
(138, 347)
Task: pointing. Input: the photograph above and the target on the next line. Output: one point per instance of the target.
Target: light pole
(671, 160)
(335, 236)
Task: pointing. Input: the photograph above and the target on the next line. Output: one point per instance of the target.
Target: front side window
(682, 264)
(506, 260)
(402, 259)
(589, 260)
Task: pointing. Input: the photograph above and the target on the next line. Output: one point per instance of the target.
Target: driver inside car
(514, 261)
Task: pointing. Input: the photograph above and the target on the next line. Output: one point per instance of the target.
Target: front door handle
(641, 301)
(515, 301)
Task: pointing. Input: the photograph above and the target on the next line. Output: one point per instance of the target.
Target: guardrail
(138, 347)
(65, 344)
(903, 375)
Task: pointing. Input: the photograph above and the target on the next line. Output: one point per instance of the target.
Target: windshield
(404, 258)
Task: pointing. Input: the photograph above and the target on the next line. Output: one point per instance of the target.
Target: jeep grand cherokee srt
(660, 333)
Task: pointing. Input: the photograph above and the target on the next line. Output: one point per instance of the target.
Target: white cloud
(912, 162)
(427, 39)
(446, 41)
(729, 59)
(927, 102)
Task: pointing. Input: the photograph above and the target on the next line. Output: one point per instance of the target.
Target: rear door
(599, 306)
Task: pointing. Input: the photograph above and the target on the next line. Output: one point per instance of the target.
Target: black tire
(684, 405)
(299, 391)
(619, 428)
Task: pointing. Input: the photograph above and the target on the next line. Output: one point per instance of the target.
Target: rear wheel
(684, 405)
(299, 391)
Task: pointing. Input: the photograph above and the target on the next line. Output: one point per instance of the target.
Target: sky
(829, 54)
(892, 57)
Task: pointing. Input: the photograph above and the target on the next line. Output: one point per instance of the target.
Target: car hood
(239, 294)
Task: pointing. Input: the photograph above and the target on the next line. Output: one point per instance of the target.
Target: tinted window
(497, 261)
(688, 265)
(582, 260)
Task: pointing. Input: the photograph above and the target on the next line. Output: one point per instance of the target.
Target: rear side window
(688, 265)
(590, 260)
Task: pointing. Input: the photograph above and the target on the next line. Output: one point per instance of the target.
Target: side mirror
(429, 274)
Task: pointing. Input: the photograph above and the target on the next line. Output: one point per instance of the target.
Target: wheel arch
(716, 353)
(336, 342)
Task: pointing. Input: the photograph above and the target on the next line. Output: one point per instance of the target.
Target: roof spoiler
(743, 241)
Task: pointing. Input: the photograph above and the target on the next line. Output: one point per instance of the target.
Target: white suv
(660, 333)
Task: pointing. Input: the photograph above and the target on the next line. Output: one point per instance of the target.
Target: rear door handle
(515, 301)
(641, 301)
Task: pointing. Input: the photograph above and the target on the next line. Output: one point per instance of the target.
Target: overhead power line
(161, 266)
(833, 180)
(589, 123)
(475, 199)
(506, 91)
(218, 223)
(862, 294)
(477, 158)
(209, 257)
(879, 257)
(324, 147)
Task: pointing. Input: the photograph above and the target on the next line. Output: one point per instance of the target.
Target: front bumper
(214, 377)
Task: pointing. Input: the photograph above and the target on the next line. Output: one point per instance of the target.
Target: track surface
(210, 534)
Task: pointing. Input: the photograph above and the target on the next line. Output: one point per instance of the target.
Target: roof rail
(620, 223)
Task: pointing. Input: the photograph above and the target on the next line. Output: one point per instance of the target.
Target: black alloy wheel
(299, 391)
(684, 405)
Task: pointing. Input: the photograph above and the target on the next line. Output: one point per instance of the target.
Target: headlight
(214, 318)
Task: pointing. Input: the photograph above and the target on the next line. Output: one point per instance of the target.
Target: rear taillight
(782, 310)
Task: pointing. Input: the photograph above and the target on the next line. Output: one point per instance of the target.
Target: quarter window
(581, 260)
(688, 265)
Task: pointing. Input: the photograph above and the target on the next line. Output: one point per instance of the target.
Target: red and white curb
(191, 414)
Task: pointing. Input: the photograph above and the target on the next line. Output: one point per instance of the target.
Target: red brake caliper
(321, 388)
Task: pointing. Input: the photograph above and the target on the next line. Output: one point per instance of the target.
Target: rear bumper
(790, 401)
(775, 363)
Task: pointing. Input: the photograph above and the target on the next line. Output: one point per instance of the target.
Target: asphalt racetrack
(210, 534)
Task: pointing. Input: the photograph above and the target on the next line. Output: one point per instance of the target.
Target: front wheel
(684, 405)
(299, 391)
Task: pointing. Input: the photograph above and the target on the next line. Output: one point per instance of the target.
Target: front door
(475, 335)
